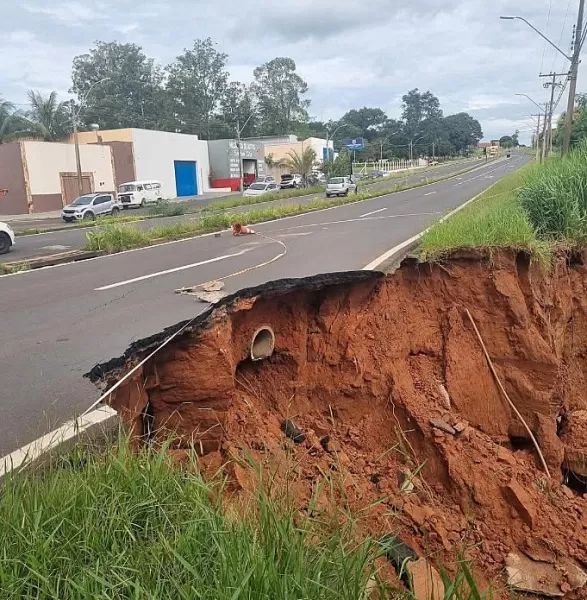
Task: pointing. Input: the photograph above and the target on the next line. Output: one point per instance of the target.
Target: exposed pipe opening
(263, 343)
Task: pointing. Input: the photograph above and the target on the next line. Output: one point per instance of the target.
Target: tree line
(117, 86)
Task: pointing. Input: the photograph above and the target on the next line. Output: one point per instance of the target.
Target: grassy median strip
(117, 238)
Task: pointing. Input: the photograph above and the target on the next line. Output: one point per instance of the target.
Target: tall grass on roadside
(108, 523)
(119, 525)
(555, 197)
(494, 220)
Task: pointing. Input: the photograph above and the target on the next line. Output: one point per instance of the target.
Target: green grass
(246, 200)
(117, 238)
(495, 219)
(555, 197)
(112, 524)
(164, 208)
(16, 268)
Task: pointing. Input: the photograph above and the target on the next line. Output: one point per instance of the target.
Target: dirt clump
(385, 388)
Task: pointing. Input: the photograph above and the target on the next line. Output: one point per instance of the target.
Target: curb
(390, 260)
(51, 260)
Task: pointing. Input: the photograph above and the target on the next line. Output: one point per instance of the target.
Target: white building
(179, 161)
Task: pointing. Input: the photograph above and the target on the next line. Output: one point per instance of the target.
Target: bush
(555, 197)
(114, 238)
(164, 208)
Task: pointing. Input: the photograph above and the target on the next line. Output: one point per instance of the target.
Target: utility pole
(240, 156)
(78, 161)
(573, 78)
(537, 137)
(553, 85)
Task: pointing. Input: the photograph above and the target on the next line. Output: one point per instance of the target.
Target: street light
(385, 140)
(74, 118)
(412, 142)
(533, 102)
(539, 33)
(538, 128)
(331, 138)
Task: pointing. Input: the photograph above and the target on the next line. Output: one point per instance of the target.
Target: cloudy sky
(351, 53)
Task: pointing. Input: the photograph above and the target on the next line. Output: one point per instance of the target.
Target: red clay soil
(363, 368)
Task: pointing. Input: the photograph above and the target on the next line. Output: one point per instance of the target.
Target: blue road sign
(357, 144)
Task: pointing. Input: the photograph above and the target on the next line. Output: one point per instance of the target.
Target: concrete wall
(45, 161)
(156, 151)
(281, 150)
(108, 135)
(12, 178)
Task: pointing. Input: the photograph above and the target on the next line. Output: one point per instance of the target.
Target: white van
(139, 193)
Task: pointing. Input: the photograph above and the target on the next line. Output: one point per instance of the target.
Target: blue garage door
(186, 182)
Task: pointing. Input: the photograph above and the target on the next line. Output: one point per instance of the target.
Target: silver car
(90, 206)
(340, 186)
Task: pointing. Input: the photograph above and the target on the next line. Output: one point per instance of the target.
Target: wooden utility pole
(573, 78)
(547, 147)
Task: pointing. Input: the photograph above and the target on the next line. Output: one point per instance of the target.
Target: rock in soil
(292, 431)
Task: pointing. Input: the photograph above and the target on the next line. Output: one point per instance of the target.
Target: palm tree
(13, 124)
(300, 163)
(49, 116)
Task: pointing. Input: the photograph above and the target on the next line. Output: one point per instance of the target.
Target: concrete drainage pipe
(263, 343)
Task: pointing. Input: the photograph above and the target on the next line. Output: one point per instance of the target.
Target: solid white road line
(392, 251)
(51, 440)
(167, 271)
(373, 212)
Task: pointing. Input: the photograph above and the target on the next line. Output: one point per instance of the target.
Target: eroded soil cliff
(388, 383)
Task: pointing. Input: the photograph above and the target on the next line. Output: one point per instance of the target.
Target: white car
(340, 186)
(90, 206)
(258, 189)
(139, 193)
(6, 238)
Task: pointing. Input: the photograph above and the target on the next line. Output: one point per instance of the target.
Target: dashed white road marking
(429, 193)
(373, 212)
(167, 271)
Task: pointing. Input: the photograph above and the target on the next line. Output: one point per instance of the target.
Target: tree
(14, 125)
(462, 131)
(52, 118)
(279, 92)
(366, 122)
(197, 83)
(132, 96)
(301, 163)
(416, 109)
(341, 166)
(237, 106)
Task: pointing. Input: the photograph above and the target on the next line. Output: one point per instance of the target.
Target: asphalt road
(57, 323)
(30, 246)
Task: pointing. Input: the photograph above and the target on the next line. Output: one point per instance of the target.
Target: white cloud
(351, 54)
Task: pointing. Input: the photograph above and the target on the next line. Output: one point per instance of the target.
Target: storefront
(224, 163)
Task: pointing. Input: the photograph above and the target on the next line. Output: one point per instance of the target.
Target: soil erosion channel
(381, 381)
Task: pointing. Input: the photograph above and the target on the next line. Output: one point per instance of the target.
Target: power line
(560, 39)
(546, 43)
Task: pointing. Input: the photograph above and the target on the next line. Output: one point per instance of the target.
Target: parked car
(139, 193)
(265, 179)
(340, 186)
(290, 181)
(6, 238)
(260, 188)
(91, 206)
